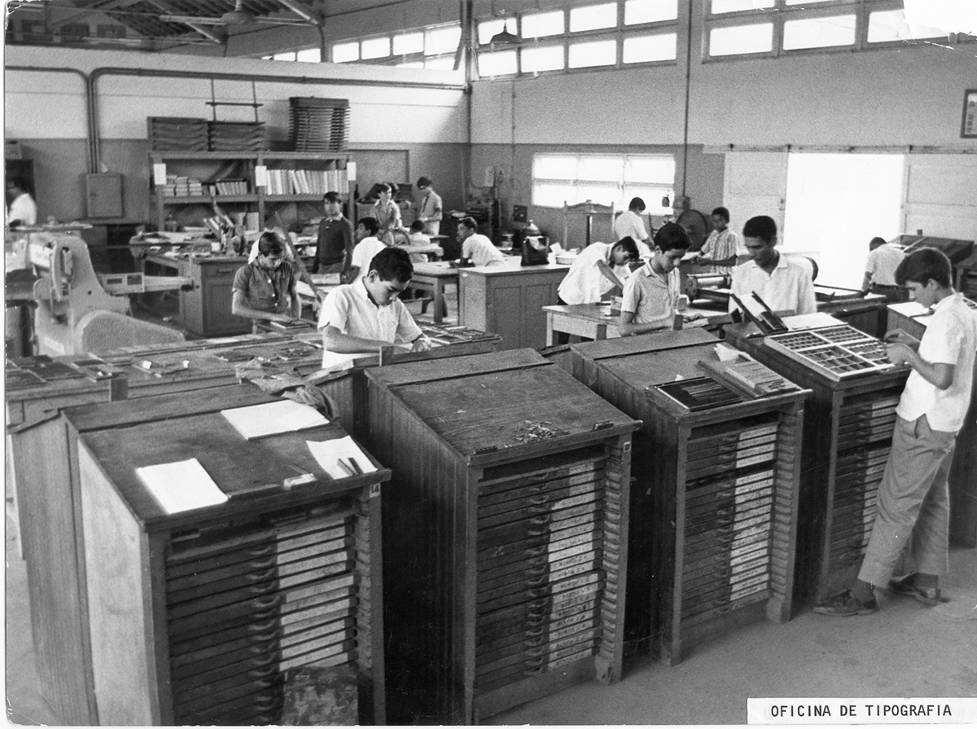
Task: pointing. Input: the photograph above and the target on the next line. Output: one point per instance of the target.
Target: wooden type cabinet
(205, 310)
(847, 433)
(865, 313)
(504, 532)
(507, 299)
(195, 617)
(714, 498)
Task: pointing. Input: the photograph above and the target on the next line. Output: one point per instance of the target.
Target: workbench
(196, 616)
(205, 310)
(505, 533)
(508, 299)
(595, 322)
(866, 313)
(847, 434)
(714, 499)
(912, 318)
(435, 277)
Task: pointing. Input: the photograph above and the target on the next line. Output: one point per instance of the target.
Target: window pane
(741, 39)
(644, 48)
(411, 64)
(591, 17)
(551, 194)
(444, 63)
(343, 52)
(308, 55)
(375, 48)
(554, 166)
(807, 2)
(408, 43)
(442, 40)
(539, 25)
(542, 58)
(607, 169)
(498, 63)
(891, 25)
(732, 6)
(650, 168)
(836, 30)
(605, 193)
(287, 56)
(593, 53)
(649, 11)
(488, 28)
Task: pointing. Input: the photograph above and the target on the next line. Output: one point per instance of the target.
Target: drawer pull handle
(262, 627)
(266, 603)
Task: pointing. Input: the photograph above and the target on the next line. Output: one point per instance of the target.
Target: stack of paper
(181, 485)
(282, 416)
(329, 453)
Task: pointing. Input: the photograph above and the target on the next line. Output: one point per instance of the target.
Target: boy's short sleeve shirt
(480, 250)
(650, 297)
(584, 283)
(363, 254)
(950, 338)
(263, 289)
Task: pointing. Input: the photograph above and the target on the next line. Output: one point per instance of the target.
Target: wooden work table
(594, 321)
(508, 299)
(435, 277)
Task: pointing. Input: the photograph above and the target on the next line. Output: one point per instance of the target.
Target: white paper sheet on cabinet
(328, 452)
(181, 485)
(282, 416)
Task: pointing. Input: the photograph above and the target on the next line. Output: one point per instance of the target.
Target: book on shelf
(305, 182)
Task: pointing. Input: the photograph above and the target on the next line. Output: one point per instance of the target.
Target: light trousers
(913, 504)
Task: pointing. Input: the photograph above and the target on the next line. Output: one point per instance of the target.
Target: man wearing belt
(265, 288)
(914, 500)
(430, 210)
(880, 270)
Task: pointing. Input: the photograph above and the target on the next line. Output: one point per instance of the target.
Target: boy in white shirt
(419, 239)
(367, 246)
(630, 224)
(651, 293)
(592, 274)
(476, 248)
(913, 501)
(367, 314)
(880, 270)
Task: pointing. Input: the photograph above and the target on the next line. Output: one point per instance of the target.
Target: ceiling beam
(301, 10)
(205, 33)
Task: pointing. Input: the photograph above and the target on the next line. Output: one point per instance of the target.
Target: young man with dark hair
(880, 270)
(476, 248)
(913, 501)
(630, 225)
(591, 276)
(430, 212)
(334, 244)
(722, 246)
(265, 288)
(367, 246)
(367, 314)
(784, 285)
(652, 292)
(22, 209)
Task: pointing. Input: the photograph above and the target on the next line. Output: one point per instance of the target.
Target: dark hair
(876, 242)
(468, 222)
(762, 227)
(371, 224)
(16, 182)
(416, 227)
(636, 204)
(393, 264)
(628, 245)
(721, 212)
(270, 242)
(332, 197)
(423, 181)
(670, 237)
(922, 265)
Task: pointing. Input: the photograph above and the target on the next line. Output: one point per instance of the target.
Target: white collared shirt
(788, 288)
(950, 338)
(883, 262)
(24, 209)
(651, 297)
(363, 254)
(350, 309)
(480, 250)
(630, 223)
(584, 283)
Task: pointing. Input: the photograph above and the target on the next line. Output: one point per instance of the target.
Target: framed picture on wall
(968, 127)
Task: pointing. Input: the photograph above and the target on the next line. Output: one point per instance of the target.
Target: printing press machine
(79, 310)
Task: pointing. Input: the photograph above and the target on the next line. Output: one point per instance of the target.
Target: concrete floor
(905, 650)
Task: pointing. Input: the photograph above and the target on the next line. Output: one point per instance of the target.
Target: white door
(755, 183)
(941, 195)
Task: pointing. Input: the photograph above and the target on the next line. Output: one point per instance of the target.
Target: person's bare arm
(239, 307)
(609, 274)
(938, 374)
(336, 341)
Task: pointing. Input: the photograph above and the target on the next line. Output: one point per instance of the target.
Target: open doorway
(835, 203)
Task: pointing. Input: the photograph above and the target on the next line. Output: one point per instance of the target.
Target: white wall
(51, 105)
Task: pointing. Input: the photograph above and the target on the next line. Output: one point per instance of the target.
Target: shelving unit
(206, 164)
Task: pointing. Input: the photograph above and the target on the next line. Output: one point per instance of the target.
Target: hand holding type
(421, 344)
(898, 353)
(898, 336)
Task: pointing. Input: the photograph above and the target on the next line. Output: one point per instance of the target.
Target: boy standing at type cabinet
(652, 292)
(265, 288)
(367, 314)
(914, 501)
